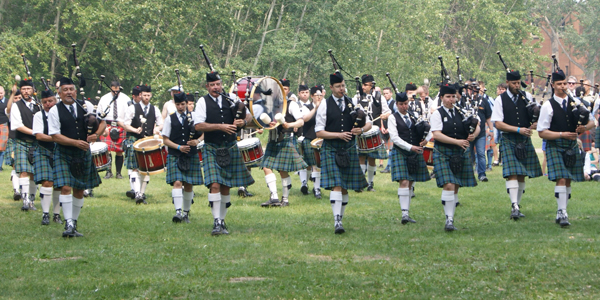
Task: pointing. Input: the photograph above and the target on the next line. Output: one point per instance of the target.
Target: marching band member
(183, 166)
(223, 164)
(309, 117)
(43, 161)
(15, 96)
(303, 103)
(518, 154)
(558, 126)
(339, 157)
(406, 157)
(169, 106)
(135, 99)
(74, 169)
(142, 120)
(391, 103)
(451, 161)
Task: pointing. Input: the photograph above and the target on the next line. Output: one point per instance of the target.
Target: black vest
(27, 118)
(408, 135)
(289, 118)
(69, 127)
(48, 145)
(515, 115)
(308, 130)
(338, 121)
(148, 126)
(453, 128)
(3, 116)
(180, 134)
(216, 115)
(561, 120)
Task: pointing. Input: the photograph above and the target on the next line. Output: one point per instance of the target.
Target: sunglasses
(571, 82)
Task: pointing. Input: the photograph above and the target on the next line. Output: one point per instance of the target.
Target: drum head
(373, 131)
(317, 143)
(270, 105)
(98, 147)
(147, 144)
(247, 143)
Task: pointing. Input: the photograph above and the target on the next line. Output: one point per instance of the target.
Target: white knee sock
(177, 195)
(317, 177)
(335, 198)
(24, 183)
(344, 203)
(15, 180)
(67, 206)
(271, 180)
(32, 189)
(371, 172)
(56, 202)
(561, 200)
(449, 203)
(363, 168)
(303, 175)
(144, 184)
(133, 181)
(512, 187)
(404, 198)
(285, 183)
(224, 203)
(77, 205)
(568, 194)
(215, 201)
(521, 191)
(46, 198)
(187, 201)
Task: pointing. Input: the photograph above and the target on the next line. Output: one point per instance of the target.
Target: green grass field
(131, 251)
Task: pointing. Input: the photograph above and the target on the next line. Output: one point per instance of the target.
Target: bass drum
(270, 102)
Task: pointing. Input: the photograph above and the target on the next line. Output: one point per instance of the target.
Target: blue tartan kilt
(511, 165)
(351, 178)
(234, 175)
(21, 162)
(192, 176)
(556, 164)
(399, 167)
(441, 167)
(8, 153)
(62, 173)
(282, 156)
(42, 165)
(130, 153)
(380, 153)
(597, 140)
(309, 153)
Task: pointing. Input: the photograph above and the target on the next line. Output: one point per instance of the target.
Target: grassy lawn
(131, 251)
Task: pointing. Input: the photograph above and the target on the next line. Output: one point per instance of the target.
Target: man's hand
(471, 137)
(139, 130)
(193, 143)
(156, 131)
(423, 143)
(345, 136)
(462, 143)
(184, 148)
(525, 131)
(416, 149)
(580, 129)
(83, 145)
(357, 131)
(229, 128)
(92, 138)
(569, 136)
(533, 126)
(239, 123)
(384, 131)
(285, 125)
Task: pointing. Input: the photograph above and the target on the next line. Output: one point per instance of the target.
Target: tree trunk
(378, 44)
(276, 28)
(56, 23)
(264, 35)
(296, 35)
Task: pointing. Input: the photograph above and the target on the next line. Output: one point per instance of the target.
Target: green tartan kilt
(351, 178)
(234, 175)
(380, 153)
(511, 165)
(21, 162)
(309, 153)
(192, 176)
(399, 168)
(597, 140)
(282, 156)
(130, 153)
(441, 167)
(10, 148)
(62, 172)
(556, 165)
(42, 166)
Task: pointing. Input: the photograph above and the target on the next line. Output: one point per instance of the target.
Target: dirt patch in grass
(57, 258)
(320, 257)
(371, 258)
(243, 279)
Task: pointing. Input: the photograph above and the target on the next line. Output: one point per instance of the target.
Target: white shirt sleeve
(321, 118)
(38, 123)
(129, 115)
(15, 116)
(498, 110)
(397, 140)
(545, 116)
(587, 166)
(385, 108)
(200, 111)
(53, 121)
(166, 130)
(436, 121)
(159, 119)
(295, 110)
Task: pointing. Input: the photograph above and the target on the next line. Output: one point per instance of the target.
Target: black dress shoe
(406, 219)
(271, 202)
(370, 188)
(514, 213)
(483, 178)
(564, 221)
(224, 227)
(386, 170)
(130, 194)
(186, 218)
(17, 195)
(339, 228)
(177, 218)
(57, 219)
(216, 228)
(108, 175)
(317, 193)
(449, 225)
(285, 203)
(119, 176)
(25, 206)
(304, 189)
(139, 199)
(45, 219)
(77, 233)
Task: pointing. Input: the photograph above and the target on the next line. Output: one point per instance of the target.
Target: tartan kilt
(192, 176)
(511, 165)
(380, 153)
(114, 146)
(586, 140)
(441, 167)
(597, 137)
(8, 153)
(283, 156)
(62, 169)
(556, 165)
(41, 164)
(399, 167)
(21, 162)
(309, 153)
(3, 136)
(351, 178)
(130, 153)
(233, 175)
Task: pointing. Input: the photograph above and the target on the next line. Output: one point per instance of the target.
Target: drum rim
(251, 101)
(137, 148)
(105, 146)
(249, 143)
(313, 143)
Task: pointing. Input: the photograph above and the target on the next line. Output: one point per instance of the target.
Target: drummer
(406, 156)
(308, 131)
(43, 160)
(452, 140)
(379, 110)
(142, 120)
(183, 165)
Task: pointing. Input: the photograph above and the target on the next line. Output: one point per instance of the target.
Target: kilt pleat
(511, 165)
(309, 153)
(3, 136)
(41, 164)
(21, 162)
(597, 140)
(556, 165)
(130, 153)
(9, 152)
(63, 158)
(351, 178)
(192, 176)
(380, 153)
(114, 146)
(399, 167)
(234, 175)
(283, 156)
(441, 167)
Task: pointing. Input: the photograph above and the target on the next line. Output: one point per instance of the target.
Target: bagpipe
(90, 118)
(188, 114)
(580, 112)
(421, 124)
(359, 116)
(470, 119)
(35, 100)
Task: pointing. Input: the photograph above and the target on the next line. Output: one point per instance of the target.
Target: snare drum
(100, 156)
(251, 150)
(428, 153)
(370, 140)
(151, 155)
(200, 148)
(316, 145)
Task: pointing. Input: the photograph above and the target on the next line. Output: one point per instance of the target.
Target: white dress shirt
(15, 114)
(166, 130)
(385, 108)
(397, 140)
(122, 106)
(436, 119)
(321, 118)
(38, 123)
(498, 110)
(546, 112)
(54, 119)
(170, 105)
(131, 113)
(200, 110)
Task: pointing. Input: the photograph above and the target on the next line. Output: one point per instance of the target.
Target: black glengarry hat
(336, 77)
(302, 88)
(410, 87)
(447, 89)
(558, 75)
(401, 97)
(367, 78)
(513, 75)
(212, 76)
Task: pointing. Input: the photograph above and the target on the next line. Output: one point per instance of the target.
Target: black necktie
(115, 114)
(407, 121)
(564, 105)
(452, 113)
(146, 110)
(515, 98)
(72, 111)
(341, 104)
(31, 107)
